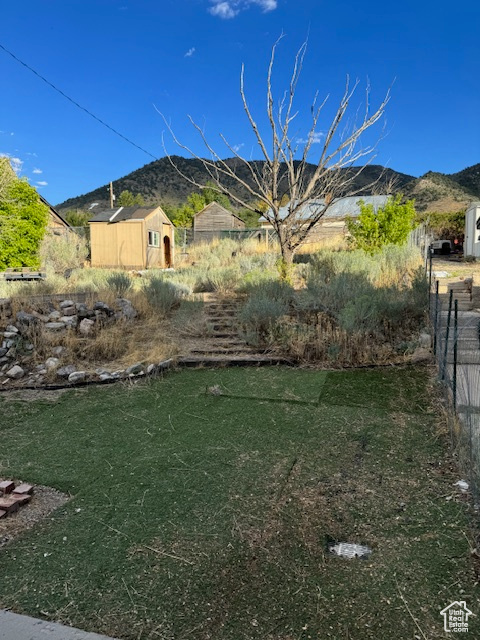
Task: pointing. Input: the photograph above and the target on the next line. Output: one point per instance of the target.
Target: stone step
(216, 351)
(226, 361)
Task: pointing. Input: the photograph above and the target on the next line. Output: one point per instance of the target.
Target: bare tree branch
(280, 172)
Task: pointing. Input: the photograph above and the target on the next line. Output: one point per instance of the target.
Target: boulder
(26, 318)
(126, 309)
(135, 369)
(84, 312)
(3, 352)
(55, 326)
(51, 363)
(86, 327)
(102, 306)
(77, 376)
(70, 321)
(12, 328)
(66, 370)
(69, 311)
(54, 315)
(16, 372)
(66, 303)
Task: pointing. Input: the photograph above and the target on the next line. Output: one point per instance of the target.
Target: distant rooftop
(348, 206)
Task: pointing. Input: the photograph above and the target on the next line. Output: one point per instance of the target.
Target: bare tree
(285, 168)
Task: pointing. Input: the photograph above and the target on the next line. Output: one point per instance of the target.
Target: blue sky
(125, 61)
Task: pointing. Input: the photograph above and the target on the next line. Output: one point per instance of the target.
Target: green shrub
(259, 315)
(390, 224)
(120, 282)
(163, 295)
(60, 253)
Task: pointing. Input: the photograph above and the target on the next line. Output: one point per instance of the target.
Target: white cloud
(42, 183)
(223, 10)
(190, 52)
(314, 138)
(237, 147)
(7, 133)
(37, 171)
(14, 161)
(227, 9)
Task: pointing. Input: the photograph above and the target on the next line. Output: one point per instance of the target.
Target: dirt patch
(43, 502)
(35, 395)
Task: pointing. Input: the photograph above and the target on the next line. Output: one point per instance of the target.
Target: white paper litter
(348, 550)
(462, 485)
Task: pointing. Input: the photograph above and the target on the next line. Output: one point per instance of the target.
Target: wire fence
(456, 347)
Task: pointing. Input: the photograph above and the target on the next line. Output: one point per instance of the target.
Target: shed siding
(117, 245)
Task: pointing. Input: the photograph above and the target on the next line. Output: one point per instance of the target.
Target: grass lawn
(200, 514)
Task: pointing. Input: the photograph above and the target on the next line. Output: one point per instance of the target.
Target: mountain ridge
(160, 183)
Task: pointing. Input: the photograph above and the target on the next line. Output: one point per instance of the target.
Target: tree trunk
(285, 264)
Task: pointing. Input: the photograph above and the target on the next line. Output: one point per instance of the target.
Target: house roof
(218, 208)
(121, 214)
(54, 212)
(340, 208)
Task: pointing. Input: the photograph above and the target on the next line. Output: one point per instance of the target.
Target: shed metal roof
(348, 206)
(120, 214)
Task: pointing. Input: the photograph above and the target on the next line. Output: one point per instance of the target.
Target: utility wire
(92, 115)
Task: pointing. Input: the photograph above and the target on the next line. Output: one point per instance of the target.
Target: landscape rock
(54, 315)
(55, 326)
(51, 363)
(84, 312)
(66, 303)
(57, 351)
(3, 352)
(66, 371)
(12, 328)
(102, 306)
(25, 318)
(86, 326)
(69, 311)
(135, 369)
(70, 321)
(126, 309)
(151, 368)
(16, 372)
(77, 376)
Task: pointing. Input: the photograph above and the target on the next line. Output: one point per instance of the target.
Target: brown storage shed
(212, 220)
(132, 238)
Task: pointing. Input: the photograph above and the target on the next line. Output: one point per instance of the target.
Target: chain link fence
(456, 347)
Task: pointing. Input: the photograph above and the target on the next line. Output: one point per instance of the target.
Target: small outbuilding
(212, 220)
(132, 238)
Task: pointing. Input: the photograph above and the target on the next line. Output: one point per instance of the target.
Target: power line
(92, 115)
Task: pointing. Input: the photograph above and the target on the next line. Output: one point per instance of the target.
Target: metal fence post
(455, 344)
(449, 316)
(430, 260)
(435, 320)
